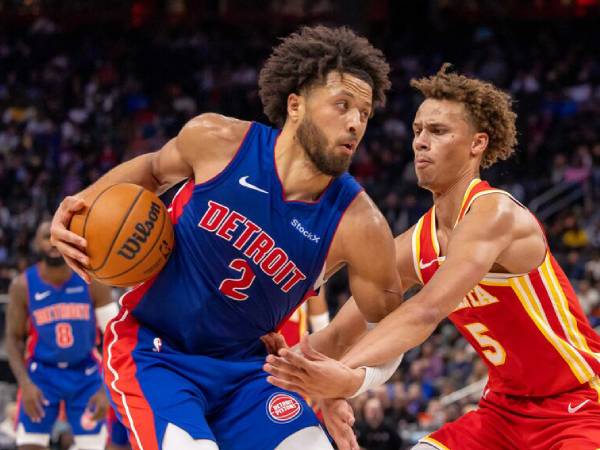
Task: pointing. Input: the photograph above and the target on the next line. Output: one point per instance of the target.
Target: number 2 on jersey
(64, 334)
(494, 352)
(233, 287)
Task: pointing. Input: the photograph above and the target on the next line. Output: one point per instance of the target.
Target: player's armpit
(404, 259)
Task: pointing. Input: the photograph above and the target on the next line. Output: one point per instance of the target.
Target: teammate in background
(53, 309)
(313, 312)
(484, 262)
(265, 217)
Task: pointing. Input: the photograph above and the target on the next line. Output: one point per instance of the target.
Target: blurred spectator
(588, 295)
(574, 235)
(373, 432)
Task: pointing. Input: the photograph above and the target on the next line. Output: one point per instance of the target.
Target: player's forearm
(327, 342)
(346, 328)
(15, 351)
(138, 170)
(407, 327)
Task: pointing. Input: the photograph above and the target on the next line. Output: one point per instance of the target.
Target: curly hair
(307, 56)
(489, 108)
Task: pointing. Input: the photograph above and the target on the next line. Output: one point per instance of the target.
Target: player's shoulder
(502, 212)
(363, 219)
(18, 287)
(213, 130)
(498, 205)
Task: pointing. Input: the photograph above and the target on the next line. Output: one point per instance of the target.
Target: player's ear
(479, 144)
(295, 107)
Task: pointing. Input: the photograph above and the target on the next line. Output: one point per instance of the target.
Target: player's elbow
(428, 315)
(11, 343)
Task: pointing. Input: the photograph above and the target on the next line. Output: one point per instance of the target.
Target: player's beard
(53, 261)
(315, 144)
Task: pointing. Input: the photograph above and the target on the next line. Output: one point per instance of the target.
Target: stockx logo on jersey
(255, 243)
(304, 232)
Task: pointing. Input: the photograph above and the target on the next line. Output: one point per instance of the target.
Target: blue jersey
(62, 321)
(244, 256)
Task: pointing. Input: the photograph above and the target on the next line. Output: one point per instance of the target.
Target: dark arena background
(87, 84)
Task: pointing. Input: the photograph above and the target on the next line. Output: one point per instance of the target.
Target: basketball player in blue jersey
(53, 309)
(266, 216)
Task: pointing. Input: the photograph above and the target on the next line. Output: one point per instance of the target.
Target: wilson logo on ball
(283, 408)
(133, 244)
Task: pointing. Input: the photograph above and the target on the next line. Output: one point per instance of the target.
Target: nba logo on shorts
(283, 408)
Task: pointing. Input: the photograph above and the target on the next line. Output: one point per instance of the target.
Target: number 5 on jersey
(233, 287)
(494, 352)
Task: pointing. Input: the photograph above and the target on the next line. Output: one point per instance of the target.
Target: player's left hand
(339, 418)
(98, 405)
(274, 342)
(312, 374)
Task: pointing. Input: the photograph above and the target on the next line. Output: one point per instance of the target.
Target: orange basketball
(128, 232)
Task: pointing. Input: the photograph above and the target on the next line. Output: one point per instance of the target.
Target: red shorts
(568, 421)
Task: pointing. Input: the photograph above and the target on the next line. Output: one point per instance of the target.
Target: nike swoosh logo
(91, 370)
(577, 408)
(423, 265)
(243, 181)
(41, 295)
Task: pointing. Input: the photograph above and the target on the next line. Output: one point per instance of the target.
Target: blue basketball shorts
(152, 384)
(72, 385)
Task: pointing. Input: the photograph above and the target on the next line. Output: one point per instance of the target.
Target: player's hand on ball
(98, 405)
(33, 402)
(274, 342)
(69, 244)
(339, 418)
(312, 374)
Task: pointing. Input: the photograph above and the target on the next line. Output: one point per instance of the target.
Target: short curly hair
(307, 56)
(489, 108)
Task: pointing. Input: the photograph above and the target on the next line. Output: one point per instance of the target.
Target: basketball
(129, 235)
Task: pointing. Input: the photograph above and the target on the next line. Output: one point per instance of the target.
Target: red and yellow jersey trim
(545, 293)
(534, 306)
(434, 442)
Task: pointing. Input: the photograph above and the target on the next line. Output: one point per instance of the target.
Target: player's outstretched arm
(472, 251)
(205, 144)
(32, 398)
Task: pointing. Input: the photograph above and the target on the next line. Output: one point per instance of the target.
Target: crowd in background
(74, 103)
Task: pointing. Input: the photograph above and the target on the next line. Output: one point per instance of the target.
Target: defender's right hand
(33, 401)
(69, 244)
